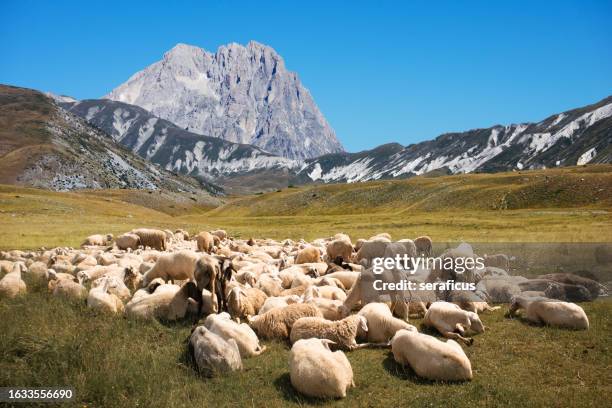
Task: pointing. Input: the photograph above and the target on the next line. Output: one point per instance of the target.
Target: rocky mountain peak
(242, 94)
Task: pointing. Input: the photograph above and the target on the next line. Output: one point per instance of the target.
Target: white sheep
(271, 285)
(245, 337)
(316, 371)
(97, 240)
(277, 302)
(173, 266)
(277, 323)
(343, 333)
(382, 326)
(245, 302)
(212, 354)
(114, 286)
(100, 299)
(11, 285)
(452, 322)
(70, 290)
(339, 248)
(431, 358)
(127, 241)
(348, 278)
(551, 312)
(167, 302)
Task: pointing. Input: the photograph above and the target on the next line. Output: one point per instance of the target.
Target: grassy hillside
(554, 205)
(571, 187)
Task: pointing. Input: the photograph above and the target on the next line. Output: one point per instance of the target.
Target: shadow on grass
(283, 385)
(407, 373)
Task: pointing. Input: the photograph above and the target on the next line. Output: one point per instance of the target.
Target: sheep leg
(468, 341)
(369, 345)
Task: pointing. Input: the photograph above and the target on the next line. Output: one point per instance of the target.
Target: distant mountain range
(578, 136)
(238, 121)
(242, 94)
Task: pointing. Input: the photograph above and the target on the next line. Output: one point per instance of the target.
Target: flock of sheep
(304, 293)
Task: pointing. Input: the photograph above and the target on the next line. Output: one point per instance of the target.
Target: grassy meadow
(116, 362)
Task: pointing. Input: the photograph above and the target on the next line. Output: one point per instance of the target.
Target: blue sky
(379, 71)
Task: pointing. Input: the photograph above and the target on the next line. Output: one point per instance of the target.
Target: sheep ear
(326, 343)
(364, 323)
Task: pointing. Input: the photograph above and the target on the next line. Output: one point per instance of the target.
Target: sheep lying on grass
(167, 302)
(318, 372)
(212, 354)
(100, 299)
(245, 337)
(431, 358)
(381, 323)
(278, 302)
(343, 332)
(277, 323)
(550, 312)
(452, 322)
(70, 290)
(245, 302)
(97, 240)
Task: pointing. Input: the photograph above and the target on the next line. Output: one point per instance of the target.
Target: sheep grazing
(423, 245)
(173, 266)
(431, 358)
(11, 285)
(166, 302)
(245, 337)
(343, 332)
(318, 372)
(277, 323)
(452, 322)
(370, 250)
(212, 273)
(152, 238)
(382, 326)
(340, 248)
(221, 234)
(205, 242)
(245, 302)
(100, 299)
(550, 312)
(97, 240)
(310, 254)
(212, 354)
(181, 235)
(127, 241)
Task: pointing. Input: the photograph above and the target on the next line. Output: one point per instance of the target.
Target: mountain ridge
(242, 94)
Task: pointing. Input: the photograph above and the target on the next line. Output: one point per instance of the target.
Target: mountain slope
(42, 145)
(173, 148)
(578, 136)
(242, 94)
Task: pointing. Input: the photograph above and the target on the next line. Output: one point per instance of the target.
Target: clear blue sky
(379, 71)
